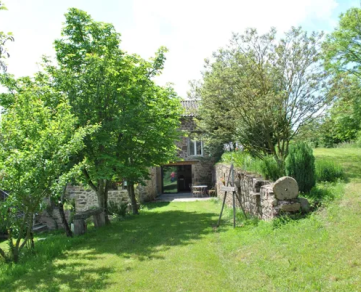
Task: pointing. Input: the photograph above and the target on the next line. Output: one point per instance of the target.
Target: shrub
(270, 169)
(327, 170)
(300, 164)
(358, 139)
(118, 210)
(267, 167)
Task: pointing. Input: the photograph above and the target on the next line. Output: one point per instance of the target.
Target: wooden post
(226, 189)
(220, 215)
(234, 201)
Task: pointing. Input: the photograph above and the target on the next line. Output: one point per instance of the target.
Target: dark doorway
(176, 178)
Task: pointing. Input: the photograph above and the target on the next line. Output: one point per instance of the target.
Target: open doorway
(176, 179)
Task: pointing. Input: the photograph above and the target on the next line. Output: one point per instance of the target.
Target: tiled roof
(190, 107)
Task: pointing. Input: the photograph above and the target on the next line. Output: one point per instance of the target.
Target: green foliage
(138, 119)
(38, 137)
(324, 193)
(342, 50)
(328, 170)
(358, 139)
(266, 167)
(261, 89)
(343, 121)
(119, 210)
(4, 38)
(271, 169)
(342, 59)
(233, 258)
(300, 164)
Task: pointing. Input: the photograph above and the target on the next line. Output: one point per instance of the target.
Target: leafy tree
(260, 90)
(344, 119)
(106, 86)
(4, 38)
(37, 137)
(342, 48)
(342, 55)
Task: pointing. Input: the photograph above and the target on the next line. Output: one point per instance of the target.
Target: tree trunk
(106, 213)
(15, 255)
(68, 231)
(3, 254)
(64, 221)
(32, 244)
(133, 201)
(102, 194)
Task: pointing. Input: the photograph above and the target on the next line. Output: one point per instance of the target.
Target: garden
(176, 246)
(94, 117)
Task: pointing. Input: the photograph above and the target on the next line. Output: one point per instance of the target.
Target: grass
(175, 247)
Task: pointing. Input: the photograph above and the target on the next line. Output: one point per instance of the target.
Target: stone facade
(257, 195)
(201, 171)
(86, 199)
(202, 166)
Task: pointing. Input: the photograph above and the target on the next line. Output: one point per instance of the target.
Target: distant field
(174, 247)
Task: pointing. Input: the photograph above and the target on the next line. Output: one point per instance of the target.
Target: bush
(267, 167)
(358, 140)
(300, 164)
(118, 210)
(328, 171)
(270, 169)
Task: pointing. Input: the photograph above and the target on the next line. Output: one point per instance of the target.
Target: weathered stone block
(99, 219)
(79, 226)
(305, 205)
(290, 207)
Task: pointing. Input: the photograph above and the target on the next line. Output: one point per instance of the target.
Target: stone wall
(188, 126)
(51, 218)
(86, 199)
(202, 166)
(261, 198)
(150, 190)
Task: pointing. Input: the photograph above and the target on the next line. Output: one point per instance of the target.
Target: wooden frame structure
(226, 188)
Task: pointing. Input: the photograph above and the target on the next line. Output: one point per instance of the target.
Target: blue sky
(191, 30)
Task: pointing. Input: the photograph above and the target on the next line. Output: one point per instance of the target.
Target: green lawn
(174, 247)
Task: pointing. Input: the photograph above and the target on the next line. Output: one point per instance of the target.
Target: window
(195, 148)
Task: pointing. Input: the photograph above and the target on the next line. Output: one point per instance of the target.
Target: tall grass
(267, 167)
(328, 170)
(300, 164)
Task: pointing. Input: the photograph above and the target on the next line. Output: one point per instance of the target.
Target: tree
(106, 86)
(342, 56)
(342, 48)
(4, 38)
(260, 91)
(37, 137)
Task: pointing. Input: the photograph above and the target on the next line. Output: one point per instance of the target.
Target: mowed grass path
(174, 247)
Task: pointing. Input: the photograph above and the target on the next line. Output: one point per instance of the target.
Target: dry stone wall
(261, 198)
(86, 199)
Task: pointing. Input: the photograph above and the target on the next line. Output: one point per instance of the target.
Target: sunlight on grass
(176, 247)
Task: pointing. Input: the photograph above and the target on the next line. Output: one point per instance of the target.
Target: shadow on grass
(155, 205)
(143, 238)
(172, 188)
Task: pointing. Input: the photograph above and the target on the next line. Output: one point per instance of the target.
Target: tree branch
(89, 181)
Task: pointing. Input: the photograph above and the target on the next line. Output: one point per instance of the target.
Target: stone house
(193, 167)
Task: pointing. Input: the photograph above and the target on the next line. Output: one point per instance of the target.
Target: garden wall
(261, 198)
(51, 218)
